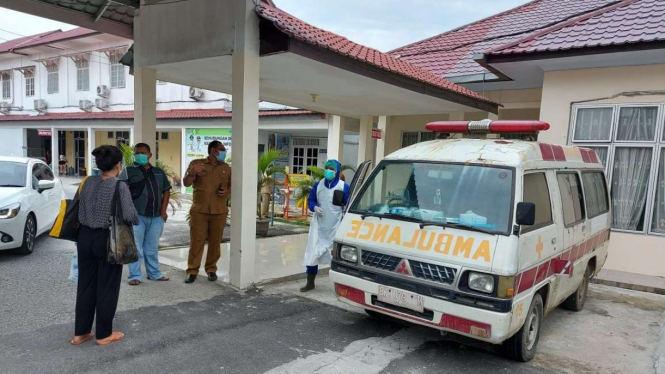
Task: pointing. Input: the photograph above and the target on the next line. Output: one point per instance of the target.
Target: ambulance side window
(572, 200)
(595, 193)
(536, 191)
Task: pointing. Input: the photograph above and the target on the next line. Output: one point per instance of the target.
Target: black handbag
(121, 249)
(67, 225)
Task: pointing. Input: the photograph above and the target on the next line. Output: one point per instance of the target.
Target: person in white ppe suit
(327, 200)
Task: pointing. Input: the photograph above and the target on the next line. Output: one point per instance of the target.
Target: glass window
(658, 220)
(409, 138)
(571, 198)
(536, 191)
(637, 123)
(82, 75)
(630, 180)
(46, 173)
(12, 174)
(5, 78)
(427, 136)
(53, 79)
(29, 76)
(117, 71)
(595, 193)
(593, 124)
(602, 153)
(437, 192)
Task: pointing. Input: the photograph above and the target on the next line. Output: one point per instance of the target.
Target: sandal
(134, 282)
(162, 279)
(115, 336)
(80, 339)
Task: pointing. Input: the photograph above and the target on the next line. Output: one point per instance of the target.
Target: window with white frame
(6, 83)
(116, 69)
(53, 77)
(413, 137)
(29, 76)
(82, 73)
(630, 142)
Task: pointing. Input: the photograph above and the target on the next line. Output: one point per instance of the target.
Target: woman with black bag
(99, 281)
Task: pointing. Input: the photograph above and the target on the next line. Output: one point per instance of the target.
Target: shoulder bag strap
(116, 200)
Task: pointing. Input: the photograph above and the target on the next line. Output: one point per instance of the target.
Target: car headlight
(349, 254)
(481, 282)
(10, 211)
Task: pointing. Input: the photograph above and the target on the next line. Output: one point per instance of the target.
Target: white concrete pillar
(131, 136)
(384, 123)
(55, 152)
(245, 125)
(183, 158)
(145, 106)
(91, 147)
(335, 137)
(365, 142)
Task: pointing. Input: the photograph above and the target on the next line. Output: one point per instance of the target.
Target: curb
(288, 278)
(628, 286)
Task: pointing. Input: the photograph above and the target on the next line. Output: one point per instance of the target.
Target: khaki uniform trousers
(204, 226)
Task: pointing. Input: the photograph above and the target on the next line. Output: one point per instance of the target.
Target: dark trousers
(98, 284)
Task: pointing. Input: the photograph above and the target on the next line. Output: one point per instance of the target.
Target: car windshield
(12, 174)
(471, 196)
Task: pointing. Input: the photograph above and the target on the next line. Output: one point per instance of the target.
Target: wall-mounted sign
(44, 132)
(376, 133)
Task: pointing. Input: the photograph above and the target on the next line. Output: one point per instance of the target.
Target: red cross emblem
(404, 268)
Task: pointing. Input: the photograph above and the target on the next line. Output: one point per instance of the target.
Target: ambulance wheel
(575, 302)
(522, 346)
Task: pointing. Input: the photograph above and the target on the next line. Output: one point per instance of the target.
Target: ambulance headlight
(481, 282)
(348, 253)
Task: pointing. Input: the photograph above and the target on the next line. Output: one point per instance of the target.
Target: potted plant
(266, 181)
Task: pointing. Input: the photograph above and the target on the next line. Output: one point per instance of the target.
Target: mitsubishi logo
(404, 268)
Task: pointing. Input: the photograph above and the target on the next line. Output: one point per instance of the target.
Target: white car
(30, 197)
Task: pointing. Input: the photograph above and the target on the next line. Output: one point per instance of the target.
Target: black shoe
(310, 283)
(190, 278)
(212, 277)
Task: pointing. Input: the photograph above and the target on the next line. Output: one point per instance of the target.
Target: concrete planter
(262, 226)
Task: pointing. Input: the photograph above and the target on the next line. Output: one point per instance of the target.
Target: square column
(365, 143)
(145, 107)
(384, 123)
(245, 126)
(335, 137)
(91, 147)
(55, 152)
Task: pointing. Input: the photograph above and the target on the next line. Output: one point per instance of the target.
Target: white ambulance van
(479, 237)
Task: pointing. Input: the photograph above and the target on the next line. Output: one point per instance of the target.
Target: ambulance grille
(435, 273)
(380, 261)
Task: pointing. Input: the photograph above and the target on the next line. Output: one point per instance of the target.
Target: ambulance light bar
(488, 126)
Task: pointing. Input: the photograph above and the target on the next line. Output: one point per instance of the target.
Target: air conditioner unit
(102, 104)
(40, 105)
(103, 90)
(195, 93)
(85, 105)
(4, 107)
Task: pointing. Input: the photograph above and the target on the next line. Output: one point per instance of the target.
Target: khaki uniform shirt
(206, 186)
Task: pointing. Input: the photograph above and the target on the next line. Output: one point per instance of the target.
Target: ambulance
(480, 236)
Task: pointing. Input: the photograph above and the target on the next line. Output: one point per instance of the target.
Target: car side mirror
(45, 185)
(526, 214)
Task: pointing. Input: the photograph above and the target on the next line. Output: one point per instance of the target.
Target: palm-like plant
(128, 159)
(267, 172)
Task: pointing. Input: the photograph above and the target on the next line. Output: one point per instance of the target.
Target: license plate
(401, 298)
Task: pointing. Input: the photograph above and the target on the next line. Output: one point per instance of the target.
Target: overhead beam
(72, 17)
(102, 9)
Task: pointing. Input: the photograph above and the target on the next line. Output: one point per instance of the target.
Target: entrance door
(79, 150)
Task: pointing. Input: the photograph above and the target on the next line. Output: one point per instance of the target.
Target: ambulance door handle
(553, 241)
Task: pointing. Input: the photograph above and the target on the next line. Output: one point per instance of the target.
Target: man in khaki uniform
(211, 179)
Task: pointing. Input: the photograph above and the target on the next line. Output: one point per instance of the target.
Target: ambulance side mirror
(526, 214)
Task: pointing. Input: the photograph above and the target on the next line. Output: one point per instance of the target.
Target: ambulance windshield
(470, 195)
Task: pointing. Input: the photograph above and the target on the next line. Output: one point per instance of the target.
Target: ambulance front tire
(575, 302)
(522, 346)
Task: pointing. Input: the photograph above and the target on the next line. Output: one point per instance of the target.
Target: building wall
(11, 142)
(637, 253)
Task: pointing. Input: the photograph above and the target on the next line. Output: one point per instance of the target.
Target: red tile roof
(45, 38)
(161, 114)
(451, 53)
(628, 22)
(312, 35)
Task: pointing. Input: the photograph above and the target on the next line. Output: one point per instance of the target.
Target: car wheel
(575, 302)
(29, 236)
(522, 346)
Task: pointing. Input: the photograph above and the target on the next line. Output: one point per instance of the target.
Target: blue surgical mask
(329, 174)
(221, 157)
(141, 159)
